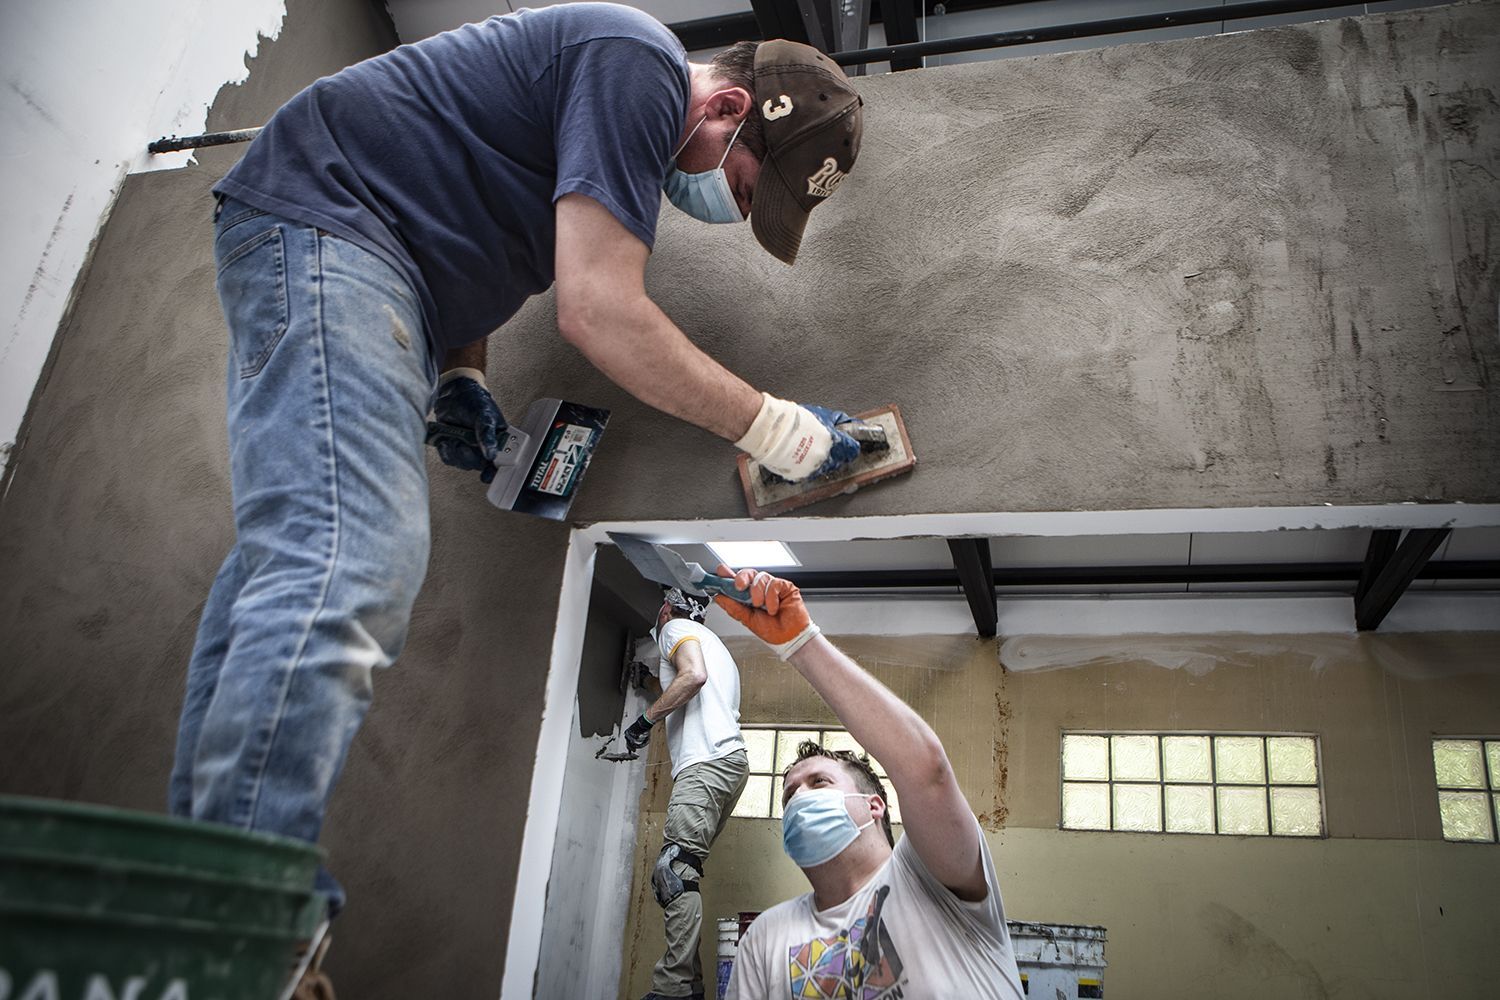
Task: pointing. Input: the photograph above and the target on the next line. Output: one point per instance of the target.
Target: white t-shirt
(708, 726)
(903, 936)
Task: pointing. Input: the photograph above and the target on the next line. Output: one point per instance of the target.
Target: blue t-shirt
(445, 156)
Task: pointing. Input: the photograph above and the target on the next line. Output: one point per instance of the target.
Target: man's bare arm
(468, 356)
(691, 675)
(604, 311)
(936, 816)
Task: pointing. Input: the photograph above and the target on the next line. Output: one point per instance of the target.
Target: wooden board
(766, 500)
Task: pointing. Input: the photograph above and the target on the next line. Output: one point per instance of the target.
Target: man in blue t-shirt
(385, 221)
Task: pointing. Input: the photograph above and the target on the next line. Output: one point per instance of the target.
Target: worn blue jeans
(329, 381)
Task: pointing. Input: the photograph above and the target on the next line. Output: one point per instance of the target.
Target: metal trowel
(542, 458)
(604, 754)
(661, 565)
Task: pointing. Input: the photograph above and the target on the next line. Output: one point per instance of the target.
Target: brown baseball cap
(811, 120)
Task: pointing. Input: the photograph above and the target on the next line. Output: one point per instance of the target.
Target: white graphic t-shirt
(903, 936)
(708, 727)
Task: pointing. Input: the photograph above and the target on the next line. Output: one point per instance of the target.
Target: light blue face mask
(816, 827)
(707, 196)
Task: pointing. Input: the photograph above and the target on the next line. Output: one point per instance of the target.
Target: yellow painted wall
(1381, 908)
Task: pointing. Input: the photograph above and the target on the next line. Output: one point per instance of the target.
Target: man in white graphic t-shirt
(916, 920)
(700, 700)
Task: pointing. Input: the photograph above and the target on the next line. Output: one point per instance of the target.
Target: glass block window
(1468, 781)
(1264, 785)
(772, 750)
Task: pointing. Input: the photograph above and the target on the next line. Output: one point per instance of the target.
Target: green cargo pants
(703, 796)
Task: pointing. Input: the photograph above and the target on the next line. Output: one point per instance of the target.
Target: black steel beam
(900, 20)
(850, 26)
(780, 19)
(1345, 573)
(898, 16)
(817, 22)
(1079, 29)
(1382, 593)
(971, 560)
(1382, 546)
(717, 32)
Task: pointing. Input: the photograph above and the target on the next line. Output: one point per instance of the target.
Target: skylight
(760, 555)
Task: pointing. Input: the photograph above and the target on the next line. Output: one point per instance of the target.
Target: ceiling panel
(1473, 543)
(1339, 545)
(870, 554)
(1091, 550)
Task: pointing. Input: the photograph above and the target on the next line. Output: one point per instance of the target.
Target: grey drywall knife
(542, 459)
(660, 564)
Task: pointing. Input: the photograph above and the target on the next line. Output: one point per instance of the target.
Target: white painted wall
(84, 86)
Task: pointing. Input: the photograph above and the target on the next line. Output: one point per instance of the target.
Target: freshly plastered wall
(87, 85)
(117, 515)
(1211, 273)
(1382, 907)
(1251, 269)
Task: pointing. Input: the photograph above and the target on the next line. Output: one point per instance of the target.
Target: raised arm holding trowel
(384, 222)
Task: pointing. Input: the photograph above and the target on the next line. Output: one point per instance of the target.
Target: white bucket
(729, 939)
(1063, 960)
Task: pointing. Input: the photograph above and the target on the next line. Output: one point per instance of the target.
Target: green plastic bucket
(107, 904)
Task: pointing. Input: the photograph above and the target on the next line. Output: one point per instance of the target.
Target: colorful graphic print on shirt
(857, 963)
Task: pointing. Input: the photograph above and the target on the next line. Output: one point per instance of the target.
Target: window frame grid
(1213, 783)
(775, 776)
(1490, 790)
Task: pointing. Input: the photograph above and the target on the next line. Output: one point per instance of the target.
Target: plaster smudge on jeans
(398, 328)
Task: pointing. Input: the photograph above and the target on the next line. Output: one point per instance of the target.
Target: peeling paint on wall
(72, 128)
(1409, 657)
(1035, 654)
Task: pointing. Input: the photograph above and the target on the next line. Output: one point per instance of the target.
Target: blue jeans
(329, 382)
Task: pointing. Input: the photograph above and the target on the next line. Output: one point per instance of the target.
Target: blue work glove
(468, 423)
(844, 449)
(639, 733)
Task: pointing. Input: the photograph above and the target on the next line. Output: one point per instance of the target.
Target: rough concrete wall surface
(108, 547)
(112, 529)
(1380, 908)
(1254, 269)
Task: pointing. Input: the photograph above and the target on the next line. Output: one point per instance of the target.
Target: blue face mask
(707, 197)
(817, 828)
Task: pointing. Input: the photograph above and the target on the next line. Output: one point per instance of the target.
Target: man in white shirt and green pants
(700, 700)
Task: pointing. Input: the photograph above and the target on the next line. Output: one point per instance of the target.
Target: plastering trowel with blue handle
(661, 565)
(542, 459)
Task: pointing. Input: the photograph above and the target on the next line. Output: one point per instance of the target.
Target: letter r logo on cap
(827, 177)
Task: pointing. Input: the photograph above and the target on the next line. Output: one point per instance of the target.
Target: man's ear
(733, 103)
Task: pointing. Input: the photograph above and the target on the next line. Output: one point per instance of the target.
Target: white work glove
(796, 442)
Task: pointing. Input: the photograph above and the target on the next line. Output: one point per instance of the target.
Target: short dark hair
(736, 67)
(858, 766)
